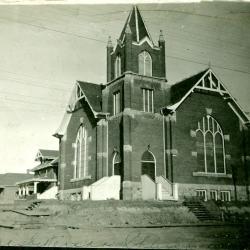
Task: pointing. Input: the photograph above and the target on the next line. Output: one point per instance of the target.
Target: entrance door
(148, 176)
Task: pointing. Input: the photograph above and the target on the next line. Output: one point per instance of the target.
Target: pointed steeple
(136, 25)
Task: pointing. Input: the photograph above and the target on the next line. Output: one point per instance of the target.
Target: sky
(44, 49)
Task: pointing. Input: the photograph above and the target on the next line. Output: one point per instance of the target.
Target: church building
(138, 137)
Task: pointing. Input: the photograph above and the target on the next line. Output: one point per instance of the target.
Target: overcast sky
(45, 49)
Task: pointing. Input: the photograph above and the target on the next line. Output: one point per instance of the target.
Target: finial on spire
(161, 37)
(209, 64)
(109, 45)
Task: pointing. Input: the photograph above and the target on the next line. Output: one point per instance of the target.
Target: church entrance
(117, 169)
(148, 169)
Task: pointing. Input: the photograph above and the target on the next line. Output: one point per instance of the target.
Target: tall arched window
(148, 164)
(210, 146)
(117, 66)
(200, 151)
(81, 153)
(145, 63)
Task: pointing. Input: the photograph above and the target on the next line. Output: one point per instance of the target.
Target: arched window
(116, 164)
(200, 151)
(117, 66)
(145, 63)
(81, 153)
(210, 146)
(148, 164)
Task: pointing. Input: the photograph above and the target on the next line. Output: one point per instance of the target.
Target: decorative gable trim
(146, 40)
(208, 83)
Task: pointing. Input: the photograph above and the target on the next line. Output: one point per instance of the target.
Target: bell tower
(135, 50)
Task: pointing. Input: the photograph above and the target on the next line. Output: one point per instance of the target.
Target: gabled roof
(203, 81)
(10, 179)
(179, 89)
(136, 25)
(94, 94)
(46, 154)
(52, 163)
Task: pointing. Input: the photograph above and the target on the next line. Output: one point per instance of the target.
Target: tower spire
(135, 26)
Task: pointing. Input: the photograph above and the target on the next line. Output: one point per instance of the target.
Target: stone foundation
(132, 190)
(72, 194)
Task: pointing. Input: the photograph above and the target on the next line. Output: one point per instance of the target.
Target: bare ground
(112, 224)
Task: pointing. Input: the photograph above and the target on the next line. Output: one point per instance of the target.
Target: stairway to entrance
(201, 211)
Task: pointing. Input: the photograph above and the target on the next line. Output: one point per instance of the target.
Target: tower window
(116, 103)
(210, 146)
(80, 169)
(148, 100)
(117, 66)
(145, 64)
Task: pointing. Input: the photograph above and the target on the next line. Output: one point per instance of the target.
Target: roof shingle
(10, 179)
(93, 93)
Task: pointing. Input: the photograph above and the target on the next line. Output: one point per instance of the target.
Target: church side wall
(185, 162)
(68, 152)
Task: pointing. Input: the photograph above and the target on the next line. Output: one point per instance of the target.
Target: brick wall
(129, 58)
(188, 114)
(67, 152)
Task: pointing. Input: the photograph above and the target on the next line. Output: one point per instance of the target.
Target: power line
(35, 85)
(54, 30)
(34, 97)
(33, 103)
(214, 65)
(32, 77)
(80, 36)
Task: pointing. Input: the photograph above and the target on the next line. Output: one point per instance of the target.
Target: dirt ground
(112, 224)
(227, 237)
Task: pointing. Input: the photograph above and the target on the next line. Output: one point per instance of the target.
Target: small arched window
(145, 63)
(148, 164)
(116, 164)
(210, 146)
(117, 66)
(80, 169)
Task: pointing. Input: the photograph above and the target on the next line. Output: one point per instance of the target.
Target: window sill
(81, 179)
(217, 175)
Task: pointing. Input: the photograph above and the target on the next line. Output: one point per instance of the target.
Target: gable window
(117, 66)
(148, 100)
(145, 64)
(210, 146)
(116, 103)
(80, 169)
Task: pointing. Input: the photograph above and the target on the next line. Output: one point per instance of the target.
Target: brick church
(138, 137)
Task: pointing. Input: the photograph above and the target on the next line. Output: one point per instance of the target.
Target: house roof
(136, 26)
(10, 179)
(51, 163)
(180, 89)
(49, 154)
(93, 93)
